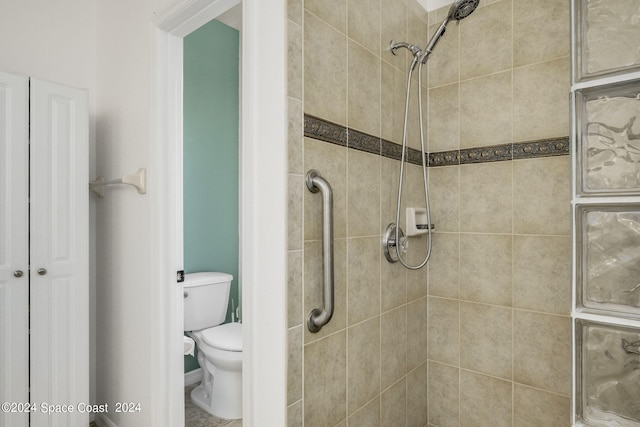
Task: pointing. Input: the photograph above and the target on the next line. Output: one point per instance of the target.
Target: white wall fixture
(138, 180)
(44, 286)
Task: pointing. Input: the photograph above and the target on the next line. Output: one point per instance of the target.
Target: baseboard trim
(193, 377)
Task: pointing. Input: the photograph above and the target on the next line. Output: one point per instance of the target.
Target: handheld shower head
(460, 9)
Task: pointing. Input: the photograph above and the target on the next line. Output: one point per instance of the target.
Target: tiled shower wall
(499, 345)
(486, 340)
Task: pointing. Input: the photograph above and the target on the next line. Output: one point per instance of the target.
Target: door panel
(59, 295)
(14, 256)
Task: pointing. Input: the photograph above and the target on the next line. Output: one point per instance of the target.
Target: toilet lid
(224, 337)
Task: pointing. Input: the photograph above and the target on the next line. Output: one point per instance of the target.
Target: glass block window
(607, 37)
(608, 139)
(608, 377)
(608, 259)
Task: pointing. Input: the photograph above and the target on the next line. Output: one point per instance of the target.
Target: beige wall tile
(486, 197)
(363, 90)
(541, 189)
(444, 118)
(484, 401)
(294, 365)
(294, 212)
(542, 273)
(444, 266)
(393, 346)
(369, 416)
(393, 403)
(294, 60)
(393, 282)
(416, 23)
(295, 11)
(392, 103)
(294, 288)
(444, 198)
(417, 280)
(444, 330)
(417, 411)
(294, 415)
(325, 371)
(333, 12)
(363, 358)
(444, 62)
(325, 71)
(485, 41)
(496, 198)
(444, 400)
(413, 119)
(389, 176)
(363, 17)
(417, 333)
(541, 101)
(393, 27)
(528, 403)
(542, 351)
(485, 268)
(540, 30)
(485, 339)
(331, 161)
(364, 278)
(314, 286)
(295, 140)
(486, 110)
(363, 200)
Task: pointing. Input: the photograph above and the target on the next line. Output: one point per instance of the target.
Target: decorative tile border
(323, 130)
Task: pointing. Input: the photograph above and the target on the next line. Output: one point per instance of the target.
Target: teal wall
(211, 154)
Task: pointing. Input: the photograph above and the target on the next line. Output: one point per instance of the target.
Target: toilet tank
(206, 298)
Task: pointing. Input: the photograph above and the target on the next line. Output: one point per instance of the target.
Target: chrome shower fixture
(394, 242)
(394, 46)
(415, 51)
(459, 10)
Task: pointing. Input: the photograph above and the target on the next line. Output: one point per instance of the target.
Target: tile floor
(196, 417)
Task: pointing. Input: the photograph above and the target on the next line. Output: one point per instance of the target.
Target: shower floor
(196, 417)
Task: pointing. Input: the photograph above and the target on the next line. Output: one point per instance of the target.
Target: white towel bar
(137, 180)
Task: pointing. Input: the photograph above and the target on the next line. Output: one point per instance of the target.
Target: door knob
(18, 273)
(42, 271)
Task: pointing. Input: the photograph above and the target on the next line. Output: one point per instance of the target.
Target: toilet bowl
(219, 345)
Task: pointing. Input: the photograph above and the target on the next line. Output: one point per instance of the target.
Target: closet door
(14, 256)
(59, 294)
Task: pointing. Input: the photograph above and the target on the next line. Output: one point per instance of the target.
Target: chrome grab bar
(320, 317)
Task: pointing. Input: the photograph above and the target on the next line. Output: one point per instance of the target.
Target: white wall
(56, 41)
(124, 312)
(107, 46)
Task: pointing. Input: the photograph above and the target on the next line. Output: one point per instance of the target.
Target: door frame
(263, 205)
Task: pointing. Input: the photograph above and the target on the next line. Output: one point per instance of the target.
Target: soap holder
(417, 222)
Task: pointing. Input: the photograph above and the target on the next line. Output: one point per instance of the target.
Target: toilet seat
(227, 337)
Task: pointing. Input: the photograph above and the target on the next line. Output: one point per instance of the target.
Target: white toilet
(206, 297)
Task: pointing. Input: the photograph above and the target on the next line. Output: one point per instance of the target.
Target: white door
(59, 278)
(14, 255)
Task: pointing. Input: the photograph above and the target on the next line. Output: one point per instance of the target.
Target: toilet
(206, 297)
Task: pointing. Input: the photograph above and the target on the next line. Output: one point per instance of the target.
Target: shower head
(460, 9)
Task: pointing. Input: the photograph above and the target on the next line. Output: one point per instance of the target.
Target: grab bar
(320, 317)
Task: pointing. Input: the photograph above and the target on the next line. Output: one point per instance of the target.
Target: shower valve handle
(403, 244)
